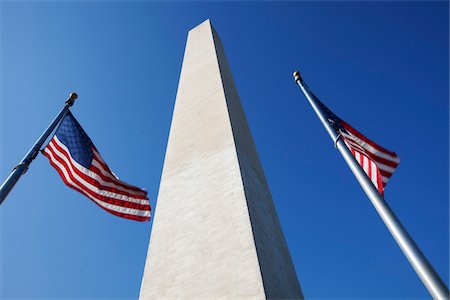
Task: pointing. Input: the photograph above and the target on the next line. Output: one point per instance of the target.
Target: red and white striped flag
(378, 163)
(72, 153)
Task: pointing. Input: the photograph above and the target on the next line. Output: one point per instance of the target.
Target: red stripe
(385, 173)
(92, 180)
(369, 173)
(115, 180)
(381, 185)
(102, 162)
(123, 215)
(106, 199)
(384, 161)
(362, 137)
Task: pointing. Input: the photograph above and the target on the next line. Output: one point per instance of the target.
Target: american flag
(72, 153)
(378, 163)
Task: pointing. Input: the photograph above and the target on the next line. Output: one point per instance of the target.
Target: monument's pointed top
(207, 22)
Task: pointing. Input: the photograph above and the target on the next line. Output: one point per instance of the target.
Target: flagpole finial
(72, 98)
(297, 76)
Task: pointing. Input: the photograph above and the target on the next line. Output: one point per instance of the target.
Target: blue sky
(381, 66)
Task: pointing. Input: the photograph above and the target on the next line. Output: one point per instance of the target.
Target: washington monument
(216, 233)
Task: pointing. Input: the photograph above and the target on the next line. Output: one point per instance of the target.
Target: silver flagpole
(436, 287)
(21, 168)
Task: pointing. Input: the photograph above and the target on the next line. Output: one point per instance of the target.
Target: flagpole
(436, 287)
(22, 167)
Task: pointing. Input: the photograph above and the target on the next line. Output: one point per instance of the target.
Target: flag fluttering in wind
(372, 166)
(78, 162)
(378, 163)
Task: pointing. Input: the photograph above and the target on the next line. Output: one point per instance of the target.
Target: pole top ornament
(297, 76)
(71, 99)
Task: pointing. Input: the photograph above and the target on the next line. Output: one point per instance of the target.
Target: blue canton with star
(334, 120)
(72, 135)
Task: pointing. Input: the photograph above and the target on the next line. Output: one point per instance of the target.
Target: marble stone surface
(216, 233)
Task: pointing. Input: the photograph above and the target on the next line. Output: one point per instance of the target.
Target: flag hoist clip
(336, 140)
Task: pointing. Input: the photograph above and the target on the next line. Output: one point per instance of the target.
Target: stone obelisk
(216, 233)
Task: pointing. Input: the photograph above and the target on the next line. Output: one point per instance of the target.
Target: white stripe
(357, 156)
(120, 209)
(366, 164)
(375, 182)
(88, 185)
(353, 144)
(95, 163)
(374, 174)
(385, 168)
(100, 159)
(92, 174)
(371, 149)
(346, 144)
